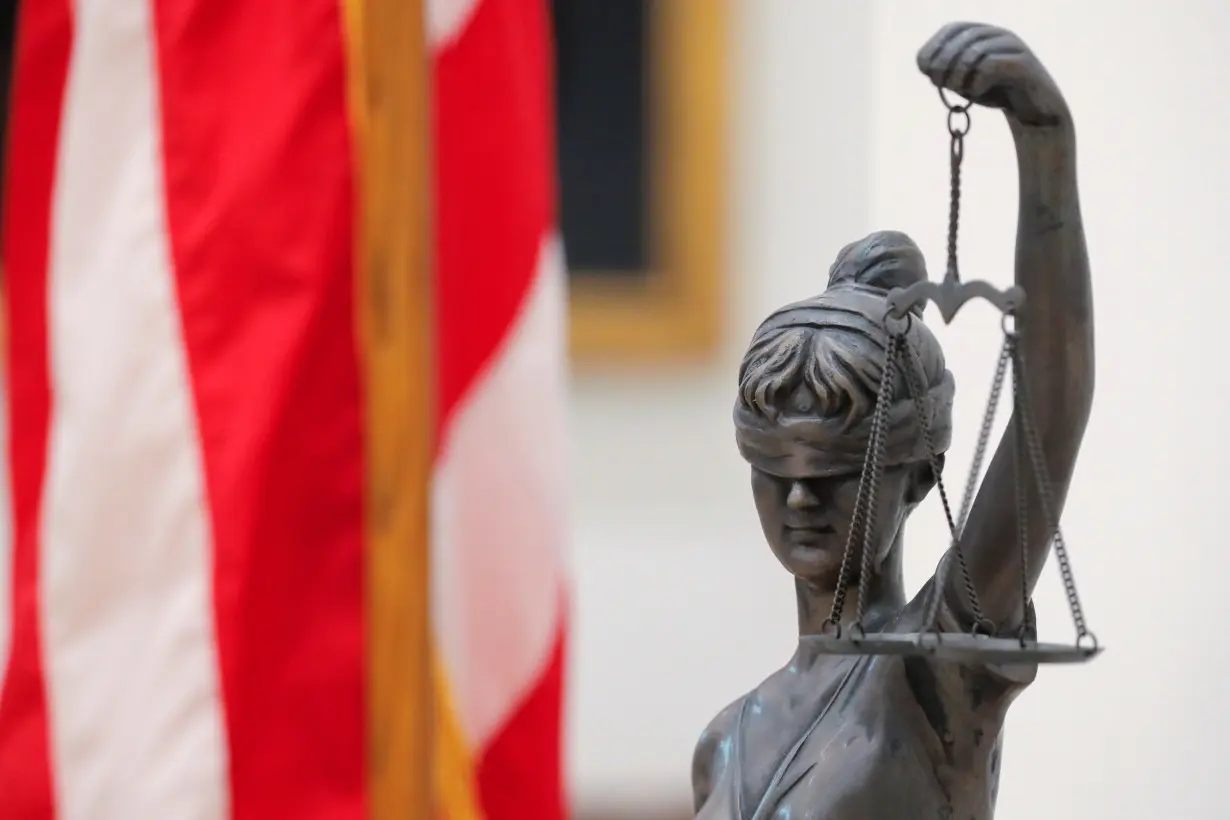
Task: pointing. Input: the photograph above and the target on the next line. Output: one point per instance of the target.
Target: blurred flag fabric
(185, 398)
(500, 579)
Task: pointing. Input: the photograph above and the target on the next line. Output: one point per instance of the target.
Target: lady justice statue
(884, 737)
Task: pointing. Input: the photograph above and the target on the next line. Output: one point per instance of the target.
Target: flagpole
(390, 89)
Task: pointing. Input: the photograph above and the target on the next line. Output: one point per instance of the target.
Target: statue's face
(807, 522)
(803, 420)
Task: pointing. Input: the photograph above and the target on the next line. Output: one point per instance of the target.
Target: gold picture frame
(673, 311)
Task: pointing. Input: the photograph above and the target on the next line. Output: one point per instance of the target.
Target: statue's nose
(800, 496)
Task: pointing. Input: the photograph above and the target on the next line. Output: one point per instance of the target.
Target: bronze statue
(890, 737)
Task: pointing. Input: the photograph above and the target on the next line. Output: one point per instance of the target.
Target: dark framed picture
(640, 96)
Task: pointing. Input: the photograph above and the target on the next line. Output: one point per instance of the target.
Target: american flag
(187, 397)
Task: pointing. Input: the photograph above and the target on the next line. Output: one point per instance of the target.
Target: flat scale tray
(956, 647)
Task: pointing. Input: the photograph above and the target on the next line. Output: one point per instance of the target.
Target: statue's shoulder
(709, 757)
(722, 723)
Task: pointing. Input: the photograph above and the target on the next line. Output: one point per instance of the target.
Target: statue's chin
(817, 563)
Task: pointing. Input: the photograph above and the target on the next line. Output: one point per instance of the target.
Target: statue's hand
(991, 66)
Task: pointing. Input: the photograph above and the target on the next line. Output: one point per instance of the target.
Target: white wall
(680, 607)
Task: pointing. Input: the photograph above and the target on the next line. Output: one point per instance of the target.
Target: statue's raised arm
(993, 67)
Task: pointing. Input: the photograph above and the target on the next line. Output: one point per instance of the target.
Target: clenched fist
(991, 66)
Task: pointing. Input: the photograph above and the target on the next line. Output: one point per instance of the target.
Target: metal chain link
(1046, 498)
(1019, 457)
(984, 432)
(860, 521)
(877, 447)
(967, 500)
(955, 525)
(959, 124)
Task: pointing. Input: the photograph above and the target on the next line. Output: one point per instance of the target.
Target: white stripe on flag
(446, 19)
(500, 513)
(131, 668)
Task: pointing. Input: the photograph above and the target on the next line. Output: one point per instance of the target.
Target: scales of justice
(892, 707)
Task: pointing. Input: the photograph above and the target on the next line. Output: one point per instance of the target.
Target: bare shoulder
(709, 757)
(720, 727)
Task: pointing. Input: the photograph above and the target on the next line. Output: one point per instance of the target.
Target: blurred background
(714, 158)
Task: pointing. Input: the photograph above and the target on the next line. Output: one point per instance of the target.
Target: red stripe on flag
(494, 154)
(520, 773)
(41, 60)
(260, 201)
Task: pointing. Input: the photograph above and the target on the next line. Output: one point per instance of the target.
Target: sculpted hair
(835, 372)
(827, 373)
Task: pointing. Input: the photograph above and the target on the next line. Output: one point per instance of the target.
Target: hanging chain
(959, 124)
(1046, 496)
(984, 433)
(877, 446)
(955, 528)
(862, 522)
(1019, 457)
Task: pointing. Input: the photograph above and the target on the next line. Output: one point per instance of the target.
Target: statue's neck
(885, 597)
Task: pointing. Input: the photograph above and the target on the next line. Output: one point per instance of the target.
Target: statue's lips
(809, 532)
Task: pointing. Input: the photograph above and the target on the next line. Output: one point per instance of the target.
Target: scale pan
(958, 647)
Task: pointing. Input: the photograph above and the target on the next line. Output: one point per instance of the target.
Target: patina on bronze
(907, 733)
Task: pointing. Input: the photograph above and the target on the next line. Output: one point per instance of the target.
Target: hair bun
(883, 260)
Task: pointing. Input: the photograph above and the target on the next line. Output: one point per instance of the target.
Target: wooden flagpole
(390, 90)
